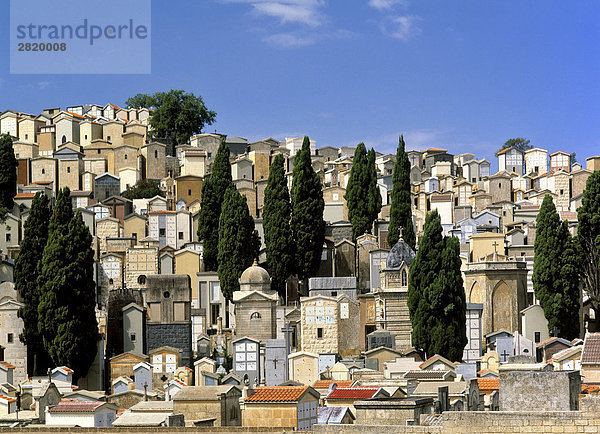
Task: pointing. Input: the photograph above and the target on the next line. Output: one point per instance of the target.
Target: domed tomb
(255, 305)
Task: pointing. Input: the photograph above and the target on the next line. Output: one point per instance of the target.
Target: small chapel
(391, 305)
(256, 305)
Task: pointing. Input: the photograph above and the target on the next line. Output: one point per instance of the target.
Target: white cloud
(403, 27)
(289, 40)
(383, 5)
(301, 39)
(307, 12)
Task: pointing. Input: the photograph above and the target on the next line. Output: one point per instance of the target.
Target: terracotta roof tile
(277, 394)
(591, 349)
(488, 385)
(8, 365)
(7, 398)
(24, 195)
(324, 384)
(590, 389)
(75, 407)
(353, 393)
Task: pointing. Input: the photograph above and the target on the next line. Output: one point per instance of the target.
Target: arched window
(64, 139)
(155, 153)
(255, 315)
(142, 280)
(404, 278)
(110, 281)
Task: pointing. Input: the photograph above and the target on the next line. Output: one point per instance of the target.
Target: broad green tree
(436, 296)
(66, 313)
(27, 270)
(307, 224)
(277, 213)
(143, 189)
(357, 193)
(213, 195)
(519, 143)
(176, 115)
(588, 235)
(555, 275)
(400, 208)
(236, 252)
(8, 175)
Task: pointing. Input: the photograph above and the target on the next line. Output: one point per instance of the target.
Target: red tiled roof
(76, 115)
(162, 212)
(277, 394)
(8, 365)
(75, 407)
(353, 393)
(488, 385)
(24, 195)
(590, 389)
(591, 349)
(324, 384)
(7, 398)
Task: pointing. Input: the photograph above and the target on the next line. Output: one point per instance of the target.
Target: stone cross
(495, 244)
(275, 362)
(504, 356)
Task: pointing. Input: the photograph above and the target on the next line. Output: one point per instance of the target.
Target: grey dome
(400, 253)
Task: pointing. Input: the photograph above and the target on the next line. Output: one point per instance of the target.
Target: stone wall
(174, 335)
(314, 314)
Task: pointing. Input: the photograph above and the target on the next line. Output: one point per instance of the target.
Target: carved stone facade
(501, 286)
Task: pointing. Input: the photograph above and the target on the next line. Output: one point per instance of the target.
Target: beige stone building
(501, 286)
(125, 156)
(484, 244)
(95, 165)
(153, 160)
(134, 226)
(25, 150)
(260, 155)
(107, 228)
(391, 308)
(283, 407)
(101, 149)
(328, 325)
(15, 351)
(255, 305)
(189, 188)
(111, 272)
(122, 365)
(187, 261)
(336, 208)
(579, 179)
(29, 128)
(304, 367)
(113, 132)
(193, 162)
(43, 169)
(221, 403)
(88, 131)
(246, 188)
(140, 262)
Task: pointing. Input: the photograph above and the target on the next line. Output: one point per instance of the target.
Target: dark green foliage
(357, 193)
(277, 213)
(236, 252)
(588, 233)
(143, 189)
(555, 272)
(374, 202)
(66, 313)
(573, 158)
(213, 193)
(8, 175)
(308, 226)
(436, 297)
(177, 115)
(400, 209)
(27, 270)
(519, 143)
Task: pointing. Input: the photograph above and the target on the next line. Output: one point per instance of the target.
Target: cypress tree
(374, 202)
(357, 193)
(423, 271)
(8, 175)
(588, 236)
(400, 209)
(213, 193)
(236, 228)
(27, 270)
(307, 222)
(555, 276)
(436, 297)
(66, 312)
(276, 221)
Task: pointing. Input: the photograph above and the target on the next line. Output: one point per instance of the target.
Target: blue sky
(465, 74)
